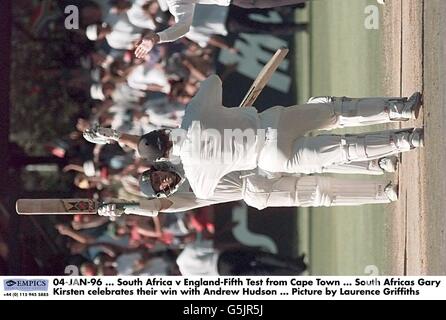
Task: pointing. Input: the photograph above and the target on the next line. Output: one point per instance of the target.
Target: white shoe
(391, 192)
(99, 135)
(416, 138)
(388, 164)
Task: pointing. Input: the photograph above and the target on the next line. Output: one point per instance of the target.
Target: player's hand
(110, 210)
(146, 45)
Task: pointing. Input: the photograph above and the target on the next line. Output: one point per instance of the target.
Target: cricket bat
(56, 206)
(73, 206)
(263, 78)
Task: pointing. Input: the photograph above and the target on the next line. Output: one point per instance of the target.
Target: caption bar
(270, 288)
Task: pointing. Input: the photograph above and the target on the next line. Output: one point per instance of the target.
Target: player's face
(163, 180)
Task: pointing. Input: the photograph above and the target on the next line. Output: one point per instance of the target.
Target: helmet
(145, 181)
(152, 145)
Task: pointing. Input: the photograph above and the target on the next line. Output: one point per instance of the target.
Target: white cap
(92, 32)
(96, 92)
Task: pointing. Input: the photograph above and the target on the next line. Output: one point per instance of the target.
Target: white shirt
(206, 160)
(183, 12)
(199, 259)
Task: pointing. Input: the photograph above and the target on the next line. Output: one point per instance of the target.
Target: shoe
(405, 109)
(412, 106)
(391, 191)
(388, 164)
(416, 138)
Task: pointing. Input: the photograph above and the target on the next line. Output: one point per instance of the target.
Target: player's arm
(117, 208)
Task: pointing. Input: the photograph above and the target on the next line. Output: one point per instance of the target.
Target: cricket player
(183, 13)
(168, 191)
(215, 140)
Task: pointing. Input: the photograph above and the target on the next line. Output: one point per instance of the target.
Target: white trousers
(312, 191)
(288, 150)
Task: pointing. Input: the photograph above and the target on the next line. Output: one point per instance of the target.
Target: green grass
(341, 57)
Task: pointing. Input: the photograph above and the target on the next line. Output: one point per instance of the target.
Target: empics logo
(25, 285)
(10, 283)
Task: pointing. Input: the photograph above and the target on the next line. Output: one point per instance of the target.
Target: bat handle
(134, 208)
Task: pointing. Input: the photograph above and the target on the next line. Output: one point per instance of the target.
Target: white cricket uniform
(281, 190)
(277, 142)
(183, 12)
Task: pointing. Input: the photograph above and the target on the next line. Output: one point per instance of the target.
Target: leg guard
(360, 112)
(312, 191)
(375, 145)
(317, 191)
(316, 154)
(370, 167)
(369, 111)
